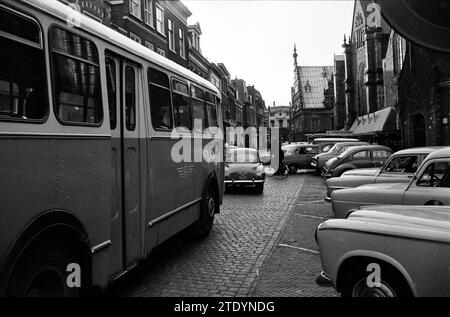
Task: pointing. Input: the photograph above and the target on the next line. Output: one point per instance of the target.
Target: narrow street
(261, 245)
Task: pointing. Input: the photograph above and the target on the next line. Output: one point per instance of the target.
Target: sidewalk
(294, 263)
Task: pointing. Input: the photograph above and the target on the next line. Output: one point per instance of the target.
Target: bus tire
(209, 207)
(42, 271)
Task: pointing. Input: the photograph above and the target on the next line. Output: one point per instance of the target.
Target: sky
(255, 39)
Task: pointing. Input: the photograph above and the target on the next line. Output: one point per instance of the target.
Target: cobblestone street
(247, 253)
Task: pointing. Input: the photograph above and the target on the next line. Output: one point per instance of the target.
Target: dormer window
(307, 87)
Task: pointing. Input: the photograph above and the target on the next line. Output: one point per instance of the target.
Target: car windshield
(336, 149)
(242, 156)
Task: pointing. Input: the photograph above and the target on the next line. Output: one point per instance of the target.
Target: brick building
(312, 100)
(159, 25)
(99, 10)
(339, 92)
(197, 62)
(424, 97)
(368, 115)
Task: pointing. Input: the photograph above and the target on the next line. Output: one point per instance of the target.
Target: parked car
(408, 248)
(320, 159)
(325, 144)
(400, 168)
(243, 168)
(429, 186)
(357, 157)
(299, 156)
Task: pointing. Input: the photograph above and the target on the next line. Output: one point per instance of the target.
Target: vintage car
(387, 251)
(325, 144)
(400, 168)
(299, 156)
(429, 186)
(320, 159)
(243, 168)
(357, 157)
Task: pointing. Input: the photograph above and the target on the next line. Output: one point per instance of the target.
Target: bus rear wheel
(42, 271)
(209, 207)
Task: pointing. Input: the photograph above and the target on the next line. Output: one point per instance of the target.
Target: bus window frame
(169, 75)
(41, 46)
(202, 131)
(52, 77)
(185, 82)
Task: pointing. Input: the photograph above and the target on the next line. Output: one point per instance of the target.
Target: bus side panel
(42, 174)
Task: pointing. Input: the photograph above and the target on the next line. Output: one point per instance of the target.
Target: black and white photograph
(224, 155)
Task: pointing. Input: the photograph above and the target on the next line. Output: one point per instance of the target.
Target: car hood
(383, 186)
(421, 222)
(243, 167)
(362, 172)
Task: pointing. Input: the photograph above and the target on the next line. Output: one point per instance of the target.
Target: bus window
(23, 89)
(211, 110)
(76, 78)
(130, 98)
(112, 91)
(181, 107)
(198, 108)
(160, 103)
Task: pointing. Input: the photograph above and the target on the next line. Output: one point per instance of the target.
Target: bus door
(124, 101)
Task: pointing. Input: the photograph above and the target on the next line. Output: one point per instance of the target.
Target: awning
(382, 121)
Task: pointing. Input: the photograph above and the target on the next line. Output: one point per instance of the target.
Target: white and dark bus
(87, 177)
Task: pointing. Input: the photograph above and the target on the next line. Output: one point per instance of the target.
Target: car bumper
(244, 182)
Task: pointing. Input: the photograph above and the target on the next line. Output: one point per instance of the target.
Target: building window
(149, 46)
(135, 8)
(314, 124)
(159, 20)
(181, 43)
(148, 12)
(161, 51)
(135, 38)
(308, 88)
(170, 34)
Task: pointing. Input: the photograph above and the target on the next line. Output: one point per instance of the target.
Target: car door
(310, 152)
(432, 186)
(398, 169)
(361, 159)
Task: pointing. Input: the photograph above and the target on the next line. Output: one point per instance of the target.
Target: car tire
(355, 283)
(209, 207)
(259, 189)
(41, 271)
(293, 169)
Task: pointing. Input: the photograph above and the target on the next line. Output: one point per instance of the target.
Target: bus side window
(181, 106)
(112, 91)
(211, 110)
(160, 102)
(76, 78)
(130, 98)
(198, 108)
(23, 89)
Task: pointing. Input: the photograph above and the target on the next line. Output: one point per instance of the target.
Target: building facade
(159, 25)
(280, 117)
(339, 93)
(369, 115)
(197, 62)
(99, 10)
(312, 100)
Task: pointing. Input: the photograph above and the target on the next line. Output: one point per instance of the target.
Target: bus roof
(65, 12)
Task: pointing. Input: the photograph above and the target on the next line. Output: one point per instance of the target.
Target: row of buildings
(162, 26)
(383, 89)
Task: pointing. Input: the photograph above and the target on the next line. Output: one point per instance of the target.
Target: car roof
(335, 139)
(352, 142)
(442, 153)
(420, 150)
(367, 147)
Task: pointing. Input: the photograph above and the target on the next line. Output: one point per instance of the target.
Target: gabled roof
(317, 78)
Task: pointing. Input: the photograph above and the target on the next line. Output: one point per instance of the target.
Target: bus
(88, 183)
